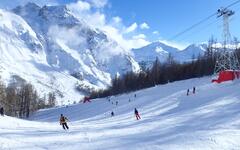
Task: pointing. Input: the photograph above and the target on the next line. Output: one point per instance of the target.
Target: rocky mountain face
(55, 51)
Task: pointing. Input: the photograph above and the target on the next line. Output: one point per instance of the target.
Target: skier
(137, 114)
(63, 122)
(112, 113)
(116, 103)
(135, 95)
(194, 89)
(1, 111)
(86, 99)
(187, 92)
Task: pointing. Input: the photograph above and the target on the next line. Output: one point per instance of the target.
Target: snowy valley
(86, 74)
(208, 119)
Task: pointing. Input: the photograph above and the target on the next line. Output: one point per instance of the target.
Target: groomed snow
(170, 120)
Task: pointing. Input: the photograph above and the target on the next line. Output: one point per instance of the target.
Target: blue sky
(138, 22)
(170, 17)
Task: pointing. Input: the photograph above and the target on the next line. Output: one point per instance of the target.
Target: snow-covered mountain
(55, 51)
(147, 54)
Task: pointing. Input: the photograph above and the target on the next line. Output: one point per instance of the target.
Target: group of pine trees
(20, 99)
(162, 73)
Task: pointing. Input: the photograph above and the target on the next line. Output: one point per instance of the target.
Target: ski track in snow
(170, 120)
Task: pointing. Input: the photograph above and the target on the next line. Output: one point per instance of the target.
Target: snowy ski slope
(207, 120)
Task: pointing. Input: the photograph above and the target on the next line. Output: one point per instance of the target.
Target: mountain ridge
(147, 54)
(57, 52)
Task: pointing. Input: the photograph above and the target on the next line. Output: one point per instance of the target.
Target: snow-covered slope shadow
(208, 119)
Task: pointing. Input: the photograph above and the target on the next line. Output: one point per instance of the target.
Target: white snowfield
(206, 120)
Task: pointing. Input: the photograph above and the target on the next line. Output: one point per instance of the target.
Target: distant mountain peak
(147, 54)
(31, 5)
(60, 10)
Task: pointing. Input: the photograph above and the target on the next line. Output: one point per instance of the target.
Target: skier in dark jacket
(137, 114)
(63, 121)
(86, 99)
(194, 90)
(187, 92)
(1, 111)
(112, 113)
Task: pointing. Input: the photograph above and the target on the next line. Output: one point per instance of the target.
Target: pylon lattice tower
(226, 59)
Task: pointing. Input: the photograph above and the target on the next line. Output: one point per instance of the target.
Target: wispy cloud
(175, 44)
(117, 19)
(79, 6)
(156, 32)
(113, 27)
(58, 33)
(144, 26)
(139, 36)
(91, 12)
(98, 3)
(131, 28)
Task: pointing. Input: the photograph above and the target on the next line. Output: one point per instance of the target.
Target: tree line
(20, 99)
(162, 73)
